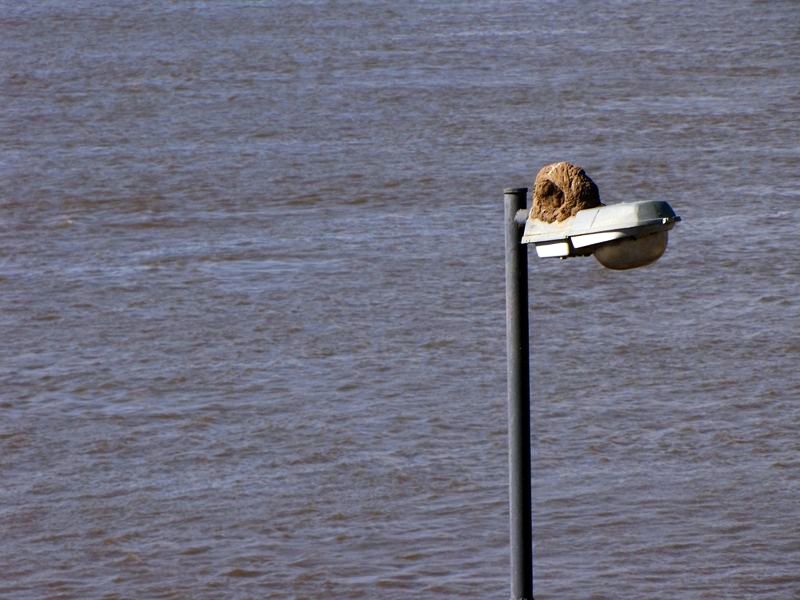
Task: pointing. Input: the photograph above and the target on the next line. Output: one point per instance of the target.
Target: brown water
(252, 314)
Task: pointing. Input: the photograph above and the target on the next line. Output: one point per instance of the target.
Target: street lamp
(620, 236)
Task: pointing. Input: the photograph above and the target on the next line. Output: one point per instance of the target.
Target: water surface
(252, 312)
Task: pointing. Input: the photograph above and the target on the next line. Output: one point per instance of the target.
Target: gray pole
(519, 424)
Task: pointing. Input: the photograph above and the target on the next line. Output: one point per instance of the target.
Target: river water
(252, 299)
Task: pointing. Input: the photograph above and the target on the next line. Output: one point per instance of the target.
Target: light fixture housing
(621, 236)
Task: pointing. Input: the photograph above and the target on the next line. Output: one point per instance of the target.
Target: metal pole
(519, 425)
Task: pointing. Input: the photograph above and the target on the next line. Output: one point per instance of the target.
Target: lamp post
(621, 236)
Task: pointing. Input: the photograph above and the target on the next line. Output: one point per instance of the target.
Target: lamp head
(621, 236)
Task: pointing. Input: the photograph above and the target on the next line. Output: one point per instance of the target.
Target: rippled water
(252, 313)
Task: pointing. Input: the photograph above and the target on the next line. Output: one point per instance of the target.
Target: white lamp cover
(621, 236)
